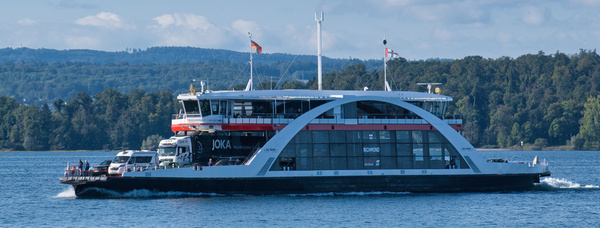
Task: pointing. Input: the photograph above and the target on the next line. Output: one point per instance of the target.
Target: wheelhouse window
(191, 107)
(205, 107)
(215, 107)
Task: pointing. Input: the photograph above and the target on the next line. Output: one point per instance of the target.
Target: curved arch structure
(279, 141)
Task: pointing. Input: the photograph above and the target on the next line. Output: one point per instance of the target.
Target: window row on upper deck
(295, 108)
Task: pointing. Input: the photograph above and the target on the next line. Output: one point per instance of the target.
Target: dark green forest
(39, 76)
(108, 120)
(60, 103)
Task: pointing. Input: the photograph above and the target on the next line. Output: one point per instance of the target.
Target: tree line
(539, 99)
(108, 120)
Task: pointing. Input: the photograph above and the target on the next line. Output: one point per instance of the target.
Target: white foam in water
(143, 193)
(67, 193)
(350, 194)
(565, 184)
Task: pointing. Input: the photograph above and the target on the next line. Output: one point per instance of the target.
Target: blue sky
(415, 29)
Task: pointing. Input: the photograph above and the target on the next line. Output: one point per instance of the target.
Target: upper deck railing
(281, 119)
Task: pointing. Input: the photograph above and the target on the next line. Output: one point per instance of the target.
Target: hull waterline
(313, 184)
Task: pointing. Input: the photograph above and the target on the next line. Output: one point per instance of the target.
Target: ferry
(316, 141)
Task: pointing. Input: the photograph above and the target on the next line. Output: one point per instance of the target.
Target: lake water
(31, 196)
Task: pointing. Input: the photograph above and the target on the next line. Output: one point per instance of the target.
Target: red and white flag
(391, 53)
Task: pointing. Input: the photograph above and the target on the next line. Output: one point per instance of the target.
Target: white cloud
(242, 27)
(165, 20)
(186, 20)
(503, 37)
(26, 21)
(105, 20)
(443, 34)
(184, 29)
(533, 16)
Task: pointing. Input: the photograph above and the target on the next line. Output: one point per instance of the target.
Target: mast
(386, 86)
(319, 51)
(249, 86)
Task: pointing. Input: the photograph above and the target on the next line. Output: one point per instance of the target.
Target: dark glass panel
(289, 150)
(404, 150)
(405, 163)
(387, 136)
(353, 136)
(387, 149)
(435, 149)
(355, 162)
(322, 163)
(354, 150)
(304, 164)
(337, 136)
(321, 150)
(303, 137)
(338, 150)
(304, 150)
(437, 163)
(417, 137)
(338, 163)
(320, 136)
(433, 137)
(388, 162)
(403, 137)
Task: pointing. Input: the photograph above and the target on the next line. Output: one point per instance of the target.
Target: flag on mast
(391, 53)
(256, 47)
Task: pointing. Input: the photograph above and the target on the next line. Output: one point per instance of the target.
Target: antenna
(319, 50)
(201, 85)
(386, 86)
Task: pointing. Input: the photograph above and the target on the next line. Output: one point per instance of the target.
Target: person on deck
(86, 167)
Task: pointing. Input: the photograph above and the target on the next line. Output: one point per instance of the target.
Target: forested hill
(540, 99)
(156, 55)
(44, 75)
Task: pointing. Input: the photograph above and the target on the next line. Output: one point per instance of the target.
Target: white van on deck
(132, 160)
